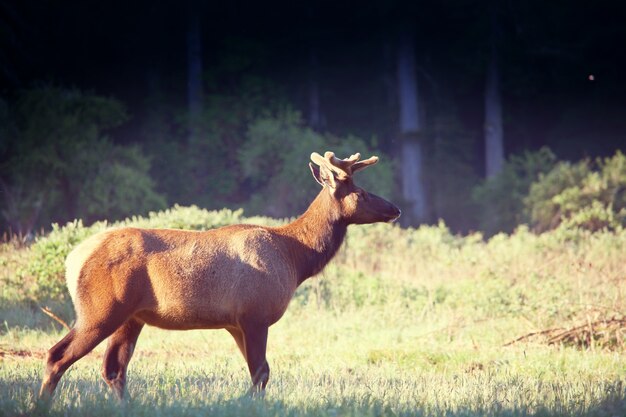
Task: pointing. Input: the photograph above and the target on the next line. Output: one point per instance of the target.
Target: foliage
(187, 218)
(501, 198)
(13, 256)
(543, 212)
(202, 153)
(451, 174)
(59, 165)
(46, 265)
(275, 153)
(580, 195)
(244, 161)
(247, 144)
(122, 185)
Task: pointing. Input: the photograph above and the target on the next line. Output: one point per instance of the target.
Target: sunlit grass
(329, 363)
(401, 323)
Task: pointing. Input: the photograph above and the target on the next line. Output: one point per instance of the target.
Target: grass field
(402, 323)
(367, 362)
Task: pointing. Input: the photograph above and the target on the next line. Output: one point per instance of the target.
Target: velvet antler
(343, 167)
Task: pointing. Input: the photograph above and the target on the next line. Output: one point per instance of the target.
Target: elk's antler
(343, 167)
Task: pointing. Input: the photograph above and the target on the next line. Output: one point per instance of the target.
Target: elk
(239, 277)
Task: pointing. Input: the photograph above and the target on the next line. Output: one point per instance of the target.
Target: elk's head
(356, 205)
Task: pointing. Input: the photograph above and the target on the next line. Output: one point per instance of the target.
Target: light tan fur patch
(77, 258)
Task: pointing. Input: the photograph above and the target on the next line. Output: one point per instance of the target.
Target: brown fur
(240, 278)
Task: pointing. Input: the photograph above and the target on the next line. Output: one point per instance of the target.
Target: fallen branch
(584, 334)
(609, 331)
(58, 319)
(529, 335)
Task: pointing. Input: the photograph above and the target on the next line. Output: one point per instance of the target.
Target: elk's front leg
(255, 341)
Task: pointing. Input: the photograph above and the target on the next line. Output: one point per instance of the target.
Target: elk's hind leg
(76, 344)
(118, 354)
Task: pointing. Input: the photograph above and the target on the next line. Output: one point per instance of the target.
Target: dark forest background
(486, 114)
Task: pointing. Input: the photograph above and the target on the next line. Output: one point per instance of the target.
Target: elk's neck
(315, 237)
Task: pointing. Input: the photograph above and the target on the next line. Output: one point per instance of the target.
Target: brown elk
(239, 278)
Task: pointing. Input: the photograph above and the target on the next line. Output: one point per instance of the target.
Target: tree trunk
(412, 164)
(494, 138)
(194, 68)
(315, 114)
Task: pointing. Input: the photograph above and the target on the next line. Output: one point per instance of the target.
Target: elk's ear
(323, 176)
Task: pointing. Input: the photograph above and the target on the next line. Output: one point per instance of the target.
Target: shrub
(542, 201)
(122, 185)
(60, 165)
(580, 195)
(47, 258)
(501, 198)
(276, 151)
(187, 218)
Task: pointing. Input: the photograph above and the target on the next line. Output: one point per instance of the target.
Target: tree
(194, 68)
(411, 124)
(315, 111)
(494, 138)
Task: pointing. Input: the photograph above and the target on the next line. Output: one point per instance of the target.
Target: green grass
(402, 323)
(327, 363)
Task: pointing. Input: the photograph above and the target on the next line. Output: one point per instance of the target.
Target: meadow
(404, 322)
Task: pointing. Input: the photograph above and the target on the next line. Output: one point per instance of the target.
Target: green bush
(202, 153)
(58, 164)
(47, 258)
(581, 195)
(275, 155)
(121, 187)
(501, 198)
(187, 218)
(543, 209)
